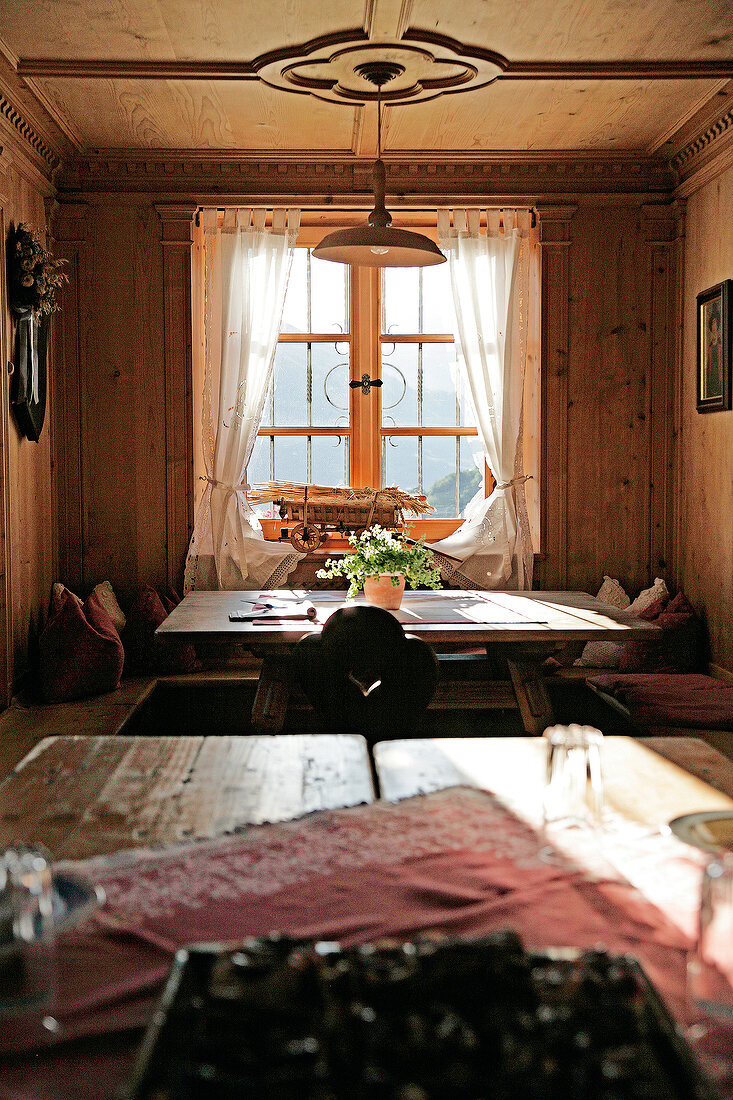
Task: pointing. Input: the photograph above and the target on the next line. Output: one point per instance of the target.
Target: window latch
(365, 384)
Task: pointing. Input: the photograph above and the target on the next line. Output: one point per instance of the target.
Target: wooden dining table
(649, 780)
(522, 627)
(88, 796)
(431, 853)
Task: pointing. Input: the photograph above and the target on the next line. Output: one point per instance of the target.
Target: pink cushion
(142, 652)
(681, 648)
(672, 699)
(80, 651)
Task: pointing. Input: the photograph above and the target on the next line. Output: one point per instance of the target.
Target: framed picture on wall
(714, 339)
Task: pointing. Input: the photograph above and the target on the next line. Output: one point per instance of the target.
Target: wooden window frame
(365, 342)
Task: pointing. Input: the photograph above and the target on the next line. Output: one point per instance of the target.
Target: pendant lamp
(377, 244)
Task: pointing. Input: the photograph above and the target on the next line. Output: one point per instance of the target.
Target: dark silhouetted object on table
(364, 675)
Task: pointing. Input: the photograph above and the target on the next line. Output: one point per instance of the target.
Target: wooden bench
(27, 721)
(671, 704)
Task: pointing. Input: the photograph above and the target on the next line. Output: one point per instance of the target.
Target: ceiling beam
(248, 70)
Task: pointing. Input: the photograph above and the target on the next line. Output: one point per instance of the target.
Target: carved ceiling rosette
(332, 68)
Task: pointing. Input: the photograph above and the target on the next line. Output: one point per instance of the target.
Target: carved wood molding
(703, 141)
(32, 126)
(340, 178)
(176, 219)
(30, 138)
(432, 64)
(278, 66)
(704, 156)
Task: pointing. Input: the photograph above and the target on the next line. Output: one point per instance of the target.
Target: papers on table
(479, 610)
(452, 607)
(273, 610)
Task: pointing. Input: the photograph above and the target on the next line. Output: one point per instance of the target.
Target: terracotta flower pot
(381, 592)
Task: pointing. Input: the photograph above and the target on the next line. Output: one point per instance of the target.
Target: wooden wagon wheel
(305, 538)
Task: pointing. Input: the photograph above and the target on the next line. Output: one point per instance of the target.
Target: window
(343, 327)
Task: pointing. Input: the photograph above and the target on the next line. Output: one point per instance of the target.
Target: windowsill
(431, 530)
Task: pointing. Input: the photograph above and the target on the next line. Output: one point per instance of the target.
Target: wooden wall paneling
(608, 417)
(679, 371)
(27, 526)
(50, 420)
(554, 226)
(662, 225)
(6, 616)
(32, 523)
(123, 390)
(70, 351)
(177, 246)
(706, 450)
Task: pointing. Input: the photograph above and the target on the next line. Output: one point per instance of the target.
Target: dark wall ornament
(28, 380)
(715, 347)
(33, 279)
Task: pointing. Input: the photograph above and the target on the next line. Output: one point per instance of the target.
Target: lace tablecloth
(456, 861)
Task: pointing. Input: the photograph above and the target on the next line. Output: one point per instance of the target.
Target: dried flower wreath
(34, 275)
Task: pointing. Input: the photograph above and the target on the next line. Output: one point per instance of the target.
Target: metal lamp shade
(379, 246)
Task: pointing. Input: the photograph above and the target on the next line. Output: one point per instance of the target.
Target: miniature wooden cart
(315, 519)
(318, 510)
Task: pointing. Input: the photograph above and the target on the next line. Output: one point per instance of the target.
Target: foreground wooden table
(84, 796)
(650, 780)
(526, 627)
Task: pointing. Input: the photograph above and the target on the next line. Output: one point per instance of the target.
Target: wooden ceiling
(593, 76)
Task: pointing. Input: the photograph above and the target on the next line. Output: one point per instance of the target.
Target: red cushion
(681, 648)
(142, 652)
(672, 699)
(80, 651)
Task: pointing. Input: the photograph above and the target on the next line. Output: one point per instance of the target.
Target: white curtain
(246, 269)
(489, 272)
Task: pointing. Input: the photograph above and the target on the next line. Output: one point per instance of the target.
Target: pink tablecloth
(455, 861)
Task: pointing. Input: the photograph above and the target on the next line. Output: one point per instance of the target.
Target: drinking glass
(27, 933)
(573, 793)
(710, 966)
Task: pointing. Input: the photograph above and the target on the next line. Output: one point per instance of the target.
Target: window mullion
(366, 409)
(458, 475)
(309, 408)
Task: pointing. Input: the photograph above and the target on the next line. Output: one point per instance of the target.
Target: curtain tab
(443, 224)
(524, 221)
(293, 225)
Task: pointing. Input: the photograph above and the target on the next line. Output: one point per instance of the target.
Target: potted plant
(381, 563)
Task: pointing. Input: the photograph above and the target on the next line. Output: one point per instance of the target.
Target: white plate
(712, 831)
